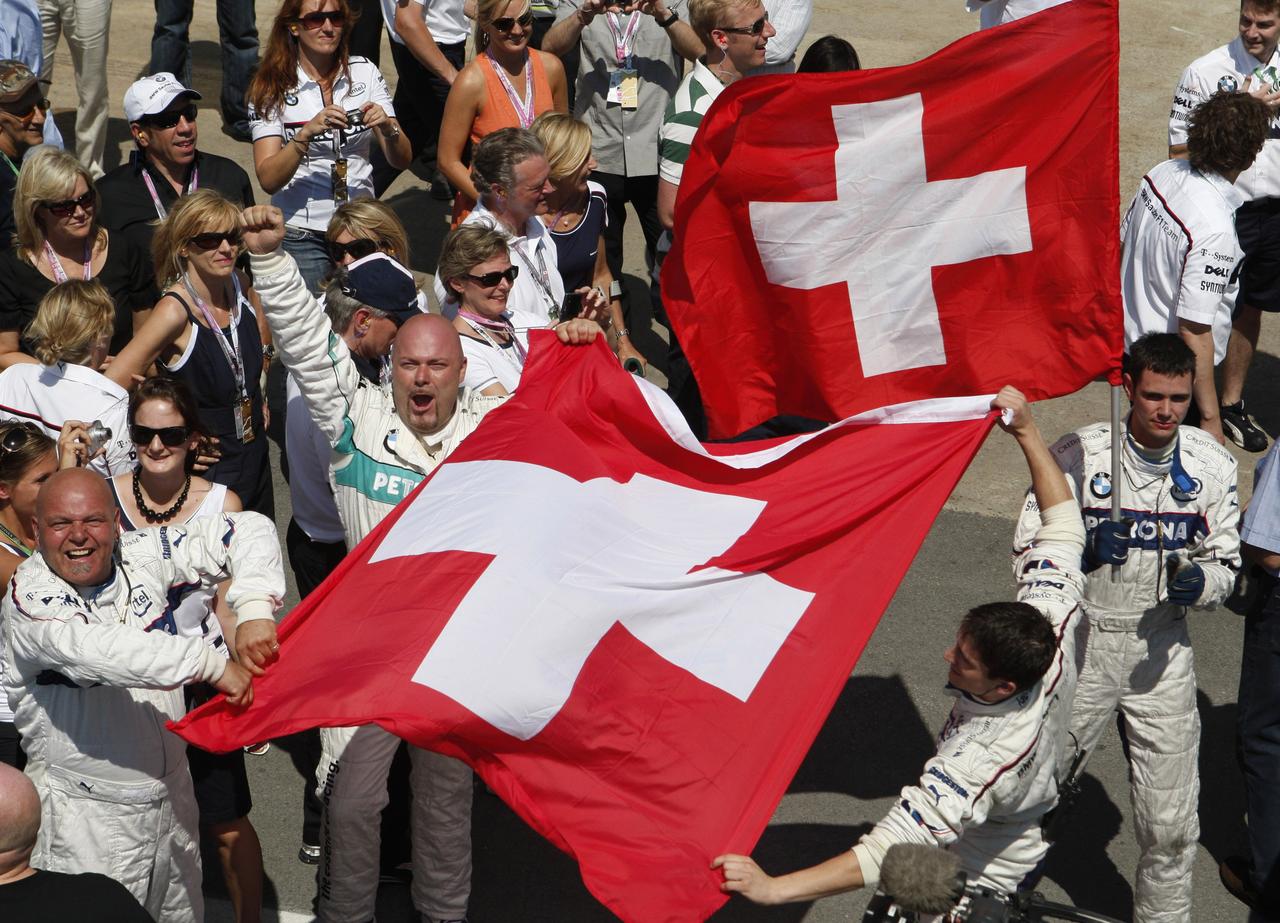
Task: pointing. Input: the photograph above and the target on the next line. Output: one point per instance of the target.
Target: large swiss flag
(849, 241)
(632, 637)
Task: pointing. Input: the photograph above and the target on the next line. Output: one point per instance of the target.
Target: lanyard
(9, 162)
(14, 542)
(624, 40)
(523, 108)
(155, 196)
(231, 350)
(58, 272)
(540, 275)
(482, 326)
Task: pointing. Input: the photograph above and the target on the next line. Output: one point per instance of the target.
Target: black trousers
(366, 34)
(642, 193)
(419, 102)
(1258, 726)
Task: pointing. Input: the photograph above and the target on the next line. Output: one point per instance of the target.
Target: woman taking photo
(27, 459)
(55, 210)
(577, 211)
(507, 85)
(206, 331)
(315, 113)
(161, 490)
(476, 266)
(366, 226)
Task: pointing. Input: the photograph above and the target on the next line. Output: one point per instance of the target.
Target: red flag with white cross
(849, 241)
(632, 637)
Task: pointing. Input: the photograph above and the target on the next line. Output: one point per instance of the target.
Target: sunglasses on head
(171, 436)
(27, 115)
(67, 207)
(754, 29)
(212, 240)
(169, 118)
(16, 439)
(318, 19)
(507, 23)
(357, 249)
(490, 279)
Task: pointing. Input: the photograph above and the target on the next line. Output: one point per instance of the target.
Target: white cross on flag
(633, 640)
(850, 241)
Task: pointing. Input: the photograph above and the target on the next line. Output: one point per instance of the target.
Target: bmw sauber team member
(1179, 550)
(1013, 672)
(385, 441)
(1180, 260)
(93, 669)
(1248, 61)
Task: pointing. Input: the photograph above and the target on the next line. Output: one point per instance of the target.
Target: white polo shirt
(1181, 256)
(488, 364)
(307, 199)
(445, 20)
(998, 12)
(1226, 68)
(538, 286)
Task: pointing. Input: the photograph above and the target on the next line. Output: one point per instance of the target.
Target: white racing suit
(93, 677)
(376, 463)
(986, 791)
(1138, 658)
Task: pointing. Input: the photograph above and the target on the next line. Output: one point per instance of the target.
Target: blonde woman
(70, 335)
(366, 226)
(59, 237)
(206, 331)
(507, 85)
(576, 214)
(475, 265)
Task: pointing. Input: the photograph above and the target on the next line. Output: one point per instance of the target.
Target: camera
(96, 436)
(355, 118)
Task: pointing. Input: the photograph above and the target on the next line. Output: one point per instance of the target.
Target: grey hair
(340, 306)
(495, 158)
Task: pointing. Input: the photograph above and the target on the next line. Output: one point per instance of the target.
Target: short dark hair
(1162, 353)
(830, 54)
(494, 161)
(1266, 6)
(1014, 641)
(1226, 132)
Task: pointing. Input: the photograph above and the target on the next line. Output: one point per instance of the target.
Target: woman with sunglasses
(164, 427)
(314, 113)
(27, 458)
(207, 331)
(507, 85)
(59, 237)
(476, 266)
(367, 226)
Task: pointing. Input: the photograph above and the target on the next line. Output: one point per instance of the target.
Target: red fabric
(647, 772)
(1042, 93)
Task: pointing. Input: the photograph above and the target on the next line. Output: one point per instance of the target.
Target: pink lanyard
(58, 272)
(155, 196)
(484, 324)
(231, 350)
(524, 109)
(624, 42)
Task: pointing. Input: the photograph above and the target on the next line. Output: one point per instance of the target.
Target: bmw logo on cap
(1100, 486)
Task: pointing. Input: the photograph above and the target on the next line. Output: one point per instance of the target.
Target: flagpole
(1117, 446)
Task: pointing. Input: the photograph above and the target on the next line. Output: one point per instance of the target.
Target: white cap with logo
(152, 95)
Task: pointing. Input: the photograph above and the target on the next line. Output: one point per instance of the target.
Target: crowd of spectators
(142, 310)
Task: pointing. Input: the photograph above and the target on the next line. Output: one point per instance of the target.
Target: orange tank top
(499, 111)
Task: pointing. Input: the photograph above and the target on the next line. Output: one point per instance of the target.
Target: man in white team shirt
(1233, 67)
(998, 12)
(1181, 260)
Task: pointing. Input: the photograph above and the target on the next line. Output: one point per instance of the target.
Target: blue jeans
(238, 34)
(310, 252)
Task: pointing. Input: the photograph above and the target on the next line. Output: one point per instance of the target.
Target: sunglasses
(26, 116)
(67, 207)
(171, 436)
(170, 118)
(490, 279)
(314, 21)
(754, 29)
(506, 23)
(16, 439)
(212, 240)
(357, 249)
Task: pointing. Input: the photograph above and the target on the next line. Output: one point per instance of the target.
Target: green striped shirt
(684, 114)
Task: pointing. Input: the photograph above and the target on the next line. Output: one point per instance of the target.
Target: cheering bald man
(383, 446)
(93, 669)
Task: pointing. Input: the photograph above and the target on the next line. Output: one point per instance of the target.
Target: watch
(669, 21)
(269, 352)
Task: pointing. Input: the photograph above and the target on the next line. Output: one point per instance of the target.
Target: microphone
(920, 878)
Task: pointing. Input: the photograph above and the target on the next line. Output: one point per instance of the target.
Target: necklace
(571, 207)
(154, 516)
(18, 544)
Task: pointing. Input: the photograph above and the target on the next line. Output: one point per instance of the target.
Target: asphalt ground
(882, 728)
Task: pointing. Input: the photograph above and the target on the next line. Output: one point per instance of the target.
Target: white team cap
(153, 94)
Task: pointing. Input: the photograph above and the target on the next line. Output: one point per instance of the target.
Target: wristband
(623, 332)
(669, 21)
